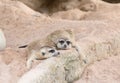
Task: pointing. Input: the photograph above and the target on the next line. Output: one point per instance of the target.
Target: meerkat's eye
(52, 51)
(61, 41)
(68, 42)
(43, 53)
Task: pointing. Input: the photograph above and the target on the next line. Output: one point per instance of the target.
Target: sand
(22, 25)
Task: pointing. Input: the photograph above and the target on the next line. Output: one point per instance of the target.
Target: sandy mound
(21, 25)
(103, 72)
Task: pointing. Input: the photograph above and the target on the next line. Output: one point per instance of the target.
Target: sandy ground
(33, 25)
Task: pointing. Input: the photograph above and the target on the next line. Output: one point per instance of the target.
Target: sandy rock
(101, 43)
(47, 6)
(22, 25)
(100, 9)
(104, 11)
(74, 14)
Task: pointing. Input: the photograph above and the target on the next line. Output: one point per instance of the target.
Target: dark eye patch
(52, 51)
(61, 41)
(43, 53)
(68, 42)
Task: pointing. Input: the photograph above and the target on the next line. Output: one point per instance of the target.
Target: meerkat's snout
(48, 52)
(53, 52)
(64, 44)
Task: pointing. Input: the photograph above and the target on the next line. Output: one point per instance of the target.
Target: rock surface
(21, 25)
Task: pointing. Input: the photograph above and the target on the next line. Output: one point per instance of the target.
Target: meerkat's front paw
(29, 64)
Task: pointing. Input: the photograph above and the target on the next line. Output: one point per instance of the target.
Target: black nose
(65, 46)
(58, 53)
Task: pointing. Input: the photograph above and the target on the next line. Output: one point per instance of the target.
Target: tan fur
(37, 45)
(65, 34)
(50, 41)
(33, 51)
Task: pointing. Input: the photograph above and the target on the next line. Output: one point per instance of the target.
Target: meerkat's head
(88, 7)
(62, 39)
(47, 52)
(63, 44)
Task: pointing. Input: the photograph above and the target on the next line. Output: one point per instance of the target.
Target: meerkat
(59, 39)
(87, 5)
(64, 40)
(84, 5)
(38, 50)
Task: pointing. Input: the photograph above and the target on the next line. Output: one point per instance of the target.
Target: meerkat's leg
(81, 56)
(77, 49)
(31, 59)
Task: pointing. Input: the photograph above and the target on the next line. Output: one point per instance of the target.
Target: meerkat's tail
(23, 46)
